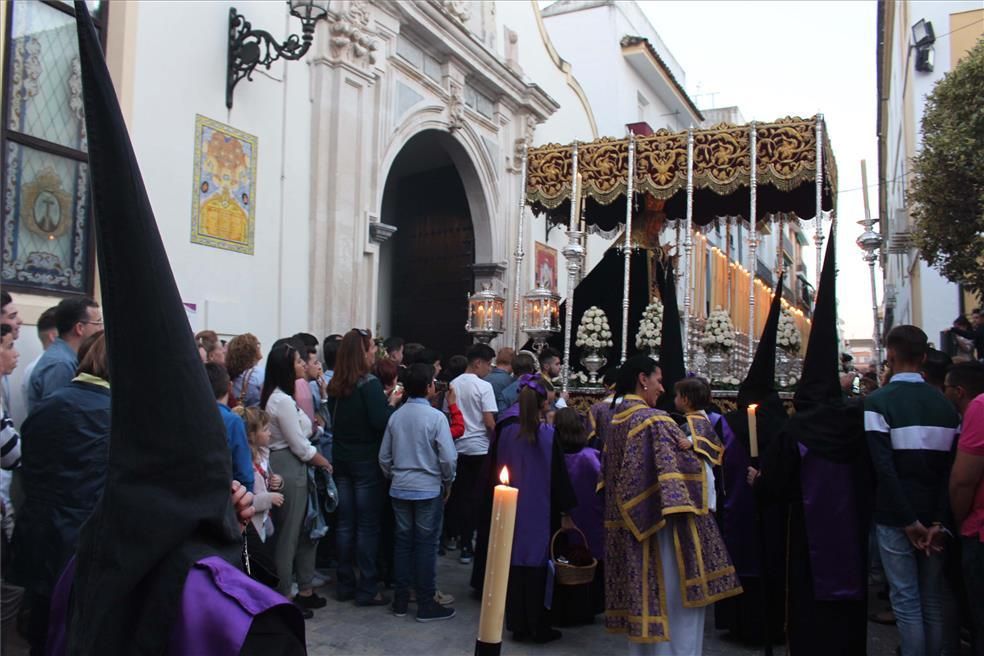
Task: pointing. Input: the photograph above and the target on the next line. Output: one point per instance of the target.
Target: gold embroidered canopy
(786, 169)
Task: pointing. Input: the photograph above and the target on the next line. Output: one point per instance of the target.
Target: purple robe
(218, 606)
(706, 440)
(530, 466)
(648, 480)
(830, 500)
(599, 419)
(738, 522)
(584, 468)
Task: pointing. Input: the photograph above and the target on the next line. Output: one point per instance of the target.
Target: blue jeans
(916, 591)
(418, 526)
(360, 499)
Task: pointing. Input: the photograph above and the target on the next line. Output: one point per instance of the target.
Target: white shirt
(474, 398)
(290, 428)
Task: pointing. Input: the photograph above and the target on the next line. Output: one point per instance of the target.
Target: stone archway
(431, 194)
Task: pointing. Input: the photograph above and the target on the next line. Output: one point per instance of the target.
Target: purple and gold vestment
(647, 480)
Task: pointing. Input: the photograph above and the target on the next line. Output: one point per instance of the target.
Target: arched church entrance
(427, 264)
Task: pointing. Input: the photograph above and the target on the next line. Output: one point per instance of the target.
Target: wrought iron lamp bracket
(249, 48)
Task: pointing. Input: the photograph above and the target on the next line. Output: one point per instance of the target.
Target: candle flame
(504, 476)
(752, 406)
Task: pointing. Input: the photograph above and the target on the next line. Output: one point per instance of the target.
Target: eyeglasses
(94, 323)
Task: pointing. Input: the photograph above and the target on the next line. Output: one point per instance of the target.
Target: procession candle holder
(486, 315)
(541, 316)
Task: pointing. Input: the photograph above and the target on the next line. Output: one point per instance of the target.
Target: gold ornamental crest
(47, 208)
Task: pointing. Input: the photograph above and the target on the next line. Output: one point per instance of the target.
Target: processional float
(671, 182)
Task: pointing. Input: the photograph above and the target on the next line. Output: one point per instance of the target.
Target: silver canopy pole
(752, 234)
(688, 245)
(629, 190)
(520, 253)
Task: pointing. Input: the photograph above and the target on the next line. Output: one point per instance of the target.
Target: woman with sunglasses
(360, 410)
(291, 451)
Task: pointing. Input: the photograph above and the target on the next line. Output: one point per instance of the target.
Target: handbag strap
(242, 388)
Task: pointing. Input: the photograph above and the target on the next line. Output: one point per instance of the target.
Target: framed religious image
(545, 263)
(223, 208)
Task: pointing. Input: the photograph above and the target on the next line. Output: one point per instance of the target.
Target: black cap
(167, 500)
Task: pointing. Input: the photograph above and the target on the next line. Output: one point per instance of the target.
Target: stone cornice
(430, 20)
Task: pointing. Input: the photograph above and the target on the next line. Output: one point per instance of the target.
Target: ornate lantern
(541, 316)
(486, 315)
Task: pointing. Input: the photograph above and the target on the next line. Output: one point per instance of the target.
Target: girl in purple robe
(526, 445)
(573, 605)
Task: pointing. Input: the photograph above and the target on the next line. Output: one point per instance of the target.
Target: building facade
(915, 293)
(374, 183)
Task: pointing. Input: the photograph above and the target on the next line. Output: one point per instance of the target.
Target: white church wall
(264, 293)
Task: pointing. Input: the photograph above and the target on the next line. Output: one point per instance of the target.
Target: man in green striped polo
(911, 428)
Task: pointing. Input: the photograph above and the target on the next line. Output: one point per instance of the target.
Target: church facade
(374, 183)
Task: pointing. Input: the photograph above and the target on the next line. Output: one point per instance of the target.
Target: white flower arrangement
(719, 332)
(788, 337)
(594, 331)
(578, 379)
(650, 335)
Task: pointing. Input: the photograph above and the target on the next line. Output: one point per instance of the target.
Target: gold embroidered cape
(646, 479)
(706, 440)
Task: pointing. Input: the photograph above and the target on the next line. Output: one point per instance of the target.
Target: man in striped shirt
(911, 428)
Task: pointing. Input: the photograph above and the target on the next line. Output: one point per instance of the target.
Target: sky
(776, 59)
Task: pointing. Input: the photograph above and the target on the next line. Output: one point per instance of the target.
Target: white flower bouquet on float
(578, 379)
(593, 335)
(650, 335)
(788, 343)
(718, 339)
(719, 333)
(788, 337)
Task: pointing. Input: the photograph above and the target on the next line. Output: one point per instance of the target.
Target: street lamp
(870, 241)
(249, 48)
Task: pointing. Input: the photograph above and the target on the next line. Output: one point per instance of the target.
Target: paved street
(346, 629)
(342, 629)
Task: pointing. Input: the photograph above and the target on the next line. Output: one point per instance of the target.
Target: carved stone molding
(379, 233)
(489, 270)
(350, 36)
(528, 129)
(460, 10)
(456, 109)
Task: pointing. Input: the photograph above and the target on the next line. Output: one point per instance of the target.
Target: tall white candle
(497, 564)
(753, 438)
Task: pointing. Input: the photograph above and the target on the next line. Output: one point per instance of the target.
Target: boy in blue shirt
(242, 461)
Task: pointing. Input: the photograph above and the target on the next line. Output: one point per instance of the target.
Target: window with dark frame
(46, 237)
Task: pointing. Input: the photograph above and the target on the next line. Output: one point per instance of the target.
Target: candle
(753, 438)
(497, 567)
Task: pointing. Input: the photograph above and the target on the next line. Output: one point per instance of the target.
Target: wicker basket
(567, 574)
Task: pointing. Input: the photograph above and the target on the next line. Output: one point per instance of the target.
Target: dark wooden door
(435, 248)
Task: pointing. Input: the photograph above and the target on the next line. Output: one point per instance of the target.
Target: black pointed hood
(759, 384)
(825, 422)
(671, 344)
(167, 499)
(820, 381)
(761, 378)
